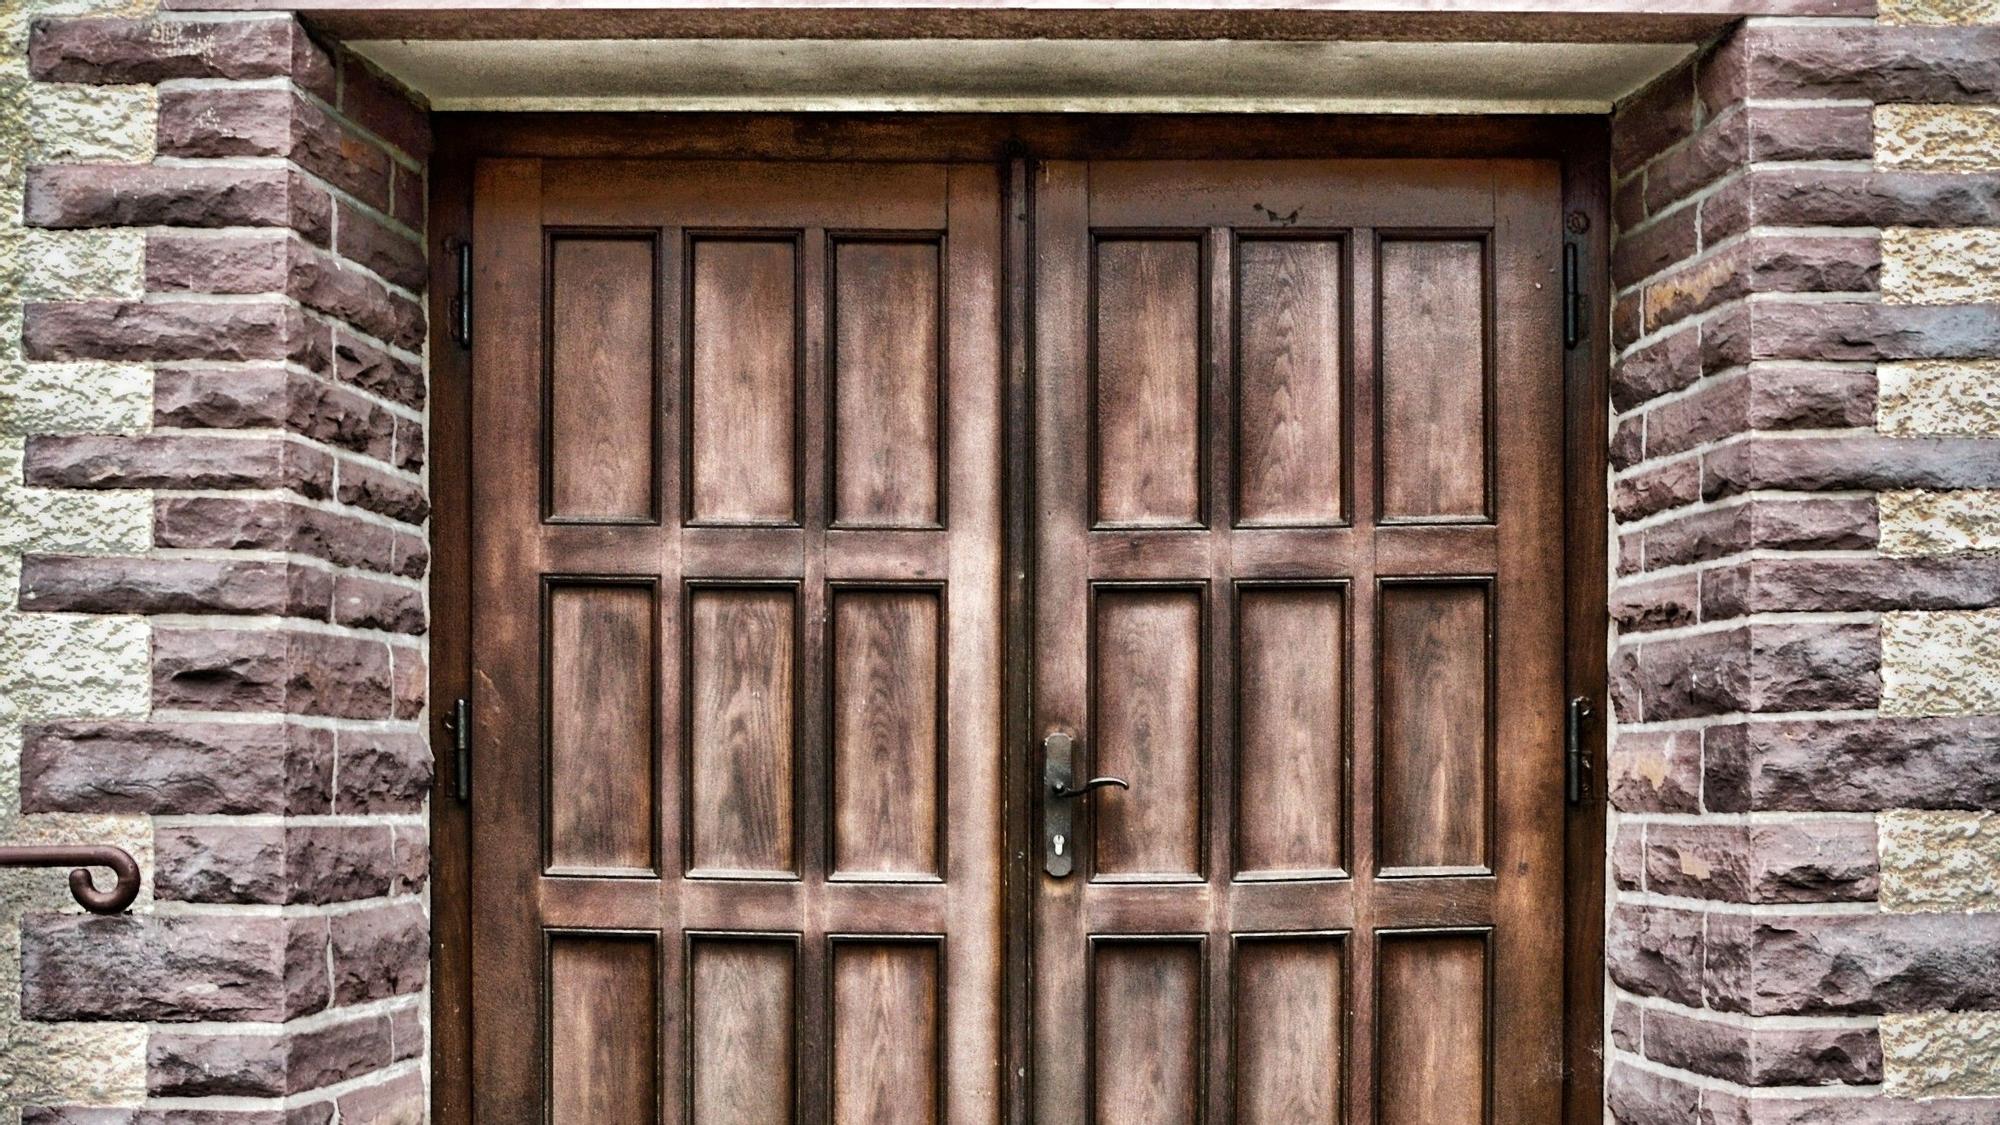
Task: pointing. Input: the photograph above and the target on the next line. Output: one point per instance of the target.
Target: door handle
(1059, 805)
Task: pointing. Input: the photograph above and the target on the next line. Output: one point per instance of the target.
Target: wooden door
(735, 799)
(1298, 580)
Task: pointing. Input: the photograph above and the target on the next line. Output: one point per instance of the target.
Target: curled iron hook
(80, 858)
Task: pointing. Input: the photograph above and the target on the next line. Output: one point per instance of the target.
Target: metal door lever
(1058, 810)
(1057, 789)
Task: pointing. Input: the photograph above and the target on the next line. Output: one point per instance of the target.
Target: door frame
(1579, 143)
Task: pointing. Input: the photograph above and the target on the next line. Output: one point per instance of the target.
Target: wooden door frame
(1579, 143)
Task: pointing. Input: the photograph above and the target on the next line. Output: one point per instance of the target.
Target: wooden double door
(1253, 466)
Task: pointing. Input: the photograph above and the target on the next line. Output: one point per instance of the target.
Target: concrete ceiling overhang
(1325, 56)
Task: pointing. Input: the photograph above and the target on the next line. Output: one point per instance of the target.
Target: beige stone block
(70, 122)
(1939, 523)
(72, 1063)
(1940, 267)
(1938, 397)
(54, 665)
(1945, 663)
(1939, 11)
(86, 397)
(1938, 138)
(1939, 862)
(63, 265)
(1941, 1054)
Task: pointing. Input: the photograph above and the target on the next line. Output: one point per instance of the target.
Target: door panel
(737, 578)
(1295, 520)
(1297, 592)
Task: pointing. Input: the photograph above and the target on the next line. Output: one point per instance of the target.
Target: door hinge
(461, 301)
(458, 724)
(1576, 306)
(1576, 751)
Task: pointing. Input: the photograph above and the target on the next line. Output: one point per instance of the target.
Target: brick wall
(1806, 918)
(212, 561)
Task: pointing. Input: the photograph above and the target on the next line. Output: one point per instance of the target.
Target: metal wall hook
(80, 858)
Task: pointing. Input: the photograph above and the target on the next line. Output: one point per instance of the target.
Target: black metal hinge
(461, 301)
(1576, 751)
(1576, 305)
(458, 724)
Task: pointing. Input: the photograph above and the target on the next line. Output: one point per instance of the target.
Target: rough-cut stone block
(176, 768)
(1763, 264)
(1656, 951)
(124, 195)
(367, 241)
(188, 1065)
(1940, 861)
(174, 330)
(1872, 963)
(1940, 398)
(147, 50)
(161, 969)
(220, 863)
(398, 1101)
(1749, 1055)
(234, 262)
(380, 952)
(1642, 1097)
(1771, 667)
(382, 771)
(1656, 488)
(1849, 461)
(1657, 368)
(1940, 523)
(1801, 61)
(1641, 253)
(95, 584)
(1778, 585)
(320, 282)
(344, 863)
(1655, 119)
(1940, 267)
(1820, 197)
(383, 493)
(1855, 765)
(1656, 771)
(378, 371)
(1702, 535)
(1827, 862)
(1662, 603)
(1943, 663)
(337, 1053)
(1820, 331)
(271, 670)
(168, 460)
(372, 603)
(1942, 1054)
(273, 525)
(410, 198)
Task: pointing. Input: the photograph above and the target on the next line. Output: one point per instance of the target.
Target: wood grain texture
(885, 1032)
(743, 376)
(1433, 313)
(1290, 753)
(1431, 1044)
(741, 752)
(1146, 1045)
(741, 1033)
(602, 664)
(1290, 1022)
(1148, 671)
(1289, 376)
(1148, 379)
(603, 404)
(885, 383)
(1433, 726)
(603, 1029)
(886, 761)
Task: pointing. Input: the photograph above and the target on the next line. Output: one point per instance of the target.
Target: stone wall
(1806, 918)
(212, 562)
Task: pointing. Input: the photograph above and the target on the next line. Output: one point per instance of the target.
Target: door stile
(1363, 442)
(1020, 876)
(1060, 697)
(1219, 619)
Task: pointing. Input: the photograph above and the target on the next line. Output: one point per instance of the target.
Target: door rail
(81, 857)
